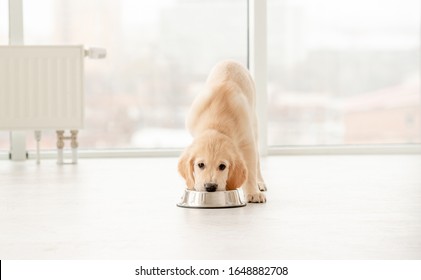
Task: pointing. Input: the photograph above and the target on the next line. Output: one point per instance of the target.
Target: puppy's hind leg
(251, 189)
(260, 182)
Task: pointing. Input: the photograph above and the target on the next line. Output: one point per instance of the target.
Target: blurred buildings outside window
(344, 72)
(159, 54)
(339, 72)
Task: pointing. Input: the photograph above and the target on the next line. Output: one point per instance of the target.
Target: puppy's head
(212, 163)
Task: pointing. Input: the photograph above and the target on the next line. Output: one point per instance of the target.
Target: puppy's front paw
(262, 186)
(258, 197)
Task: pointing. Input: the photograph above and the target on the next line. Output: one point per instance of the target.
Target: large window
(159, 54)
(344, 72)
(339, 72)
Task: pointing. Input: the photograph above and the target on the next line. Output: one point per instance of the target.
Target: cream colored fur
(222, 121)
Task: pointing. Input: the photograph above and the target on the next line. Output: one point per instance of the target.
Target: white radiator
(42, 88)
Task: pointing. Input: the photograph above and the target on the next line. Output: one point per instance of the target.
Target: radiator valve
(96, 53)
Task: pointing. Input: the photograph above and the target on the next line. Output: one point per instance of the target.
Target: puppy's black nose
(211, 187)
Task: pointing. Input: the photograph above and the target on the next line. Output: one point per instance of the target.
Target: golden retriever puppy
(222, 121)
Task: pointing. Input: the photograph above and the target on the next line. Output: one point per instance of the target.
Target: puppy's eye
(201, 165)
(222, 167)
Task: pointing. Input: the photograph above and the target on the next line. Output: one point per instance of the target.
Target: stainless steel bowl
(221, 199)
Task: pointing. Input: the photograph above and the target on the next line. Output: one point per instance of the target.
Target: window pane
(344, 72)
(159, 54)
(4, 24)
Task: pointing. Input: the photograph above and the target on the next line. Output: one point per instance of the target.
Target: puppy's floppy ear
(185, 168)
(237, 174)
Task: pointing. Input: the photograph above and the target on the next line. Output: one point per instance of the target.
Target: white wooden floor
(319, 207)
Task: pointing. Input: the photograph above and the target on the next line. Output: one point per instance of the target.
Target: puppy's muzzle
(211, 187)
